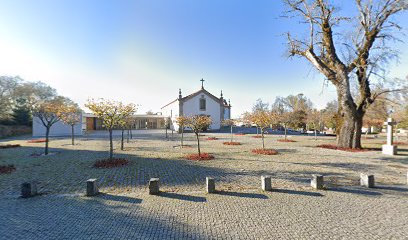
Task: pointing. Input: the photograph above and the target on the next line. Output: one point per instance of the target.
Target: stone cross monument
(388, 148)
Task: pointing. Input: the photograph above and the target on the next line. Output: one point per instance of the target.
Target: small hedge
(202, 157)
(240, 134)
(287, 140)
(111, 163)
(334, 147)
(232, 143)
(41, 140)
(264, 151)
(10, 146)
(7, 169)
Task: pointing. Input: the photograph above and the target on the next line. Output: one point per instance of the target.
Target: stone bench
(154, 188)
(266, 183)
(210, 185)
(317, 181)
(367, 180)
(28, 189)
(92, 187)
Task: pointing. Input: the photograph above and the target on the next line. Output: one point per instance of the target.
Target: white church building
(201, 102)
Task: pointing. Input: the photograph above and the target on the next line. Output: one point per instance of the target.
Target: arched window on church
(202, 103)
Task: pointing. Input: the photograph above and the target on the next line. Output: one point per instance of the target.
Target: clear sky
(144, 51)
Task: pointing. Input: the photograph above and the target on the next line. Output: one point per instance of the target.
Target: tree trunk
(47, 135)
(72, 135)
(286, 133)
(166, 133)
(122, 140)
(131, 134)
(110, 144)
(263, 140)
(358, 131)
(198, 144)
(182, 136)
(232, 135)
(127, 137)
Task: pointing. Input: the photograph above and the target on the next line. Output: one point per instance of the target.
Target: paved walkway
(347, 213)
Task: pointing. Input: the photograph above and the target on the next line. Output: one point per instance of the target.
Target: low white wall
(59, 129)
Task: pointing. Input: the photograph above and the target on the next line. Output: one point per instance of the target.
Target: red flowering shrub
(231, 143)
(111, 163)
(7, 169)
(287, 140)
(41, 140)
(265, 151)
(240, 134)
(398, 143)
(257, 136)
(212, 138)
(10, 146)
(202, 157)
(334, 147)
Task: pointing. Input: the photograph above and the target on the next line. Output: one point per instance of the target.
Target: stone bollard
(28, 189)
(154, 186)
(266, 183)
(367, 180)
(210, 185)
(317, 181)
(91, 187)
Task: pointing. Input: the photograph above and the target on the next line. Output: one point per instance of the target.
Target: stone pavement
(343, 213)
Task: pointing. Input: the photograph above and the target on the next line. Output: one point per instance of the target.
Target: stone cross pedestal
(389, 148)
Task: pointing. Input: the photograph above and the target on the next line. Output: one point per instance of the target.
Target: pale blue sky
(144, 51)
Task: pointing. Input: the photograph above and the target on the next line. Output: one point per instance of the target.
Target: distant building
(90, 122)
(198, 103)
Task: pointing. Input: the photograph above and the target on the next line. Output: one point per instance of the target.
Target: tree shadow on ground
(242, 194)
(356, 191)
(304, 193)
(182, 197)
(119, 198)
(101, 217)
(393, 188)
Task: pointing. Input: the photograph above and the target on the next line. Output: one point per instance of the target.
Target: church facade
(201, 102)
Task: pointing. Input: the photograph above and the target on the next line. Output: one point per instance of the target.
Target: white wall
(59, 129)
(172, 111)
(192, 107)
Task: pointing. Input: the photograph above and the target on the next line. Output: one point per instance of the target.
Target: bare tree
(112, 113)
(198, 124)
(71, 115)
(49, 112)
(364, 52)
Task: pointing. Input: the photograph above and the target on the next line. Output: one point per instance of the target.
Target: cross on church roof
(202, 83)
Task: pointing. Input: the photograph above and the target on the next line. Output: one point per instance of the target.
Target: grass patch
(10, 146)
(111, 163)
(202, 157)
(264, 151)
(285, 140)
(232, 143)
(4, 169)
